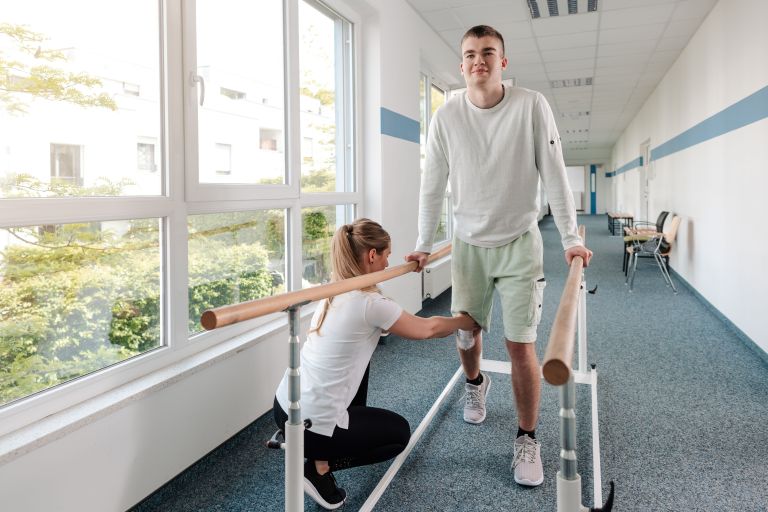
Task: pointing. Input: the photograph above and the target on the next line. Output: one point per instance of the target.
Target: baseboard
(749, 342)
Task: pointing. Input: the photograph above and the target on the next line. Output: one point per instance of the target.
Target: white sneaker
(474, 404)
(527, 461)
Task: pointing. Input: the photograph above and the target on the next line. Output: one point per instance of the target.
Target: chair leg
(665, 270)
(625, 266)
(634, 269)
(630, 258)
(660, 264)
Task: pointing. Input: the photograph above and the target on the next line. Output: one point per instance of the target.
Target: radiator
(436, 278)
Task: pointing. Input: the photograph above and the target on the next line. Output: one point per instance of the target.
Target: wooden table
(617, 221)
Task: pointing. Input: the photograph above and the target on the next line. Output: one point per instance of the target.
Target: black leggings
(374, 435)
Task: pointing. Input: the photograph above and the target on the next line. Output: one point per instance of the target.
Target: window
(146, 157)
(223, 156)
(307, 149)
(65, 164)
(82, 278)
(324, 53)
(130, 89)
(428, 105)
(89, 284)
(318, 226)
(232, 94)
(91, 298)
(234, 257)
(270, 140)
(226, 40)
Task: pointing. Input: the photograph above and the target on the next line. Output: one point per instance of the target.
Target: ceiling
(624, 46)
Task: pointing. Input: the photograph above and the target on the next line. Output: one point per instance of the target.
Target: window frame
(179, 197)
(431, 81)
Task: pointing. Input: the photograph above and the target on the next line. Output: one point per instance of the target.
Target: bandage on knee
(464, 339)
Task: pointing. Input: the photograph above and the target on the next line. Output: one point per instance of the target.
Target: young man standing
(494, 143)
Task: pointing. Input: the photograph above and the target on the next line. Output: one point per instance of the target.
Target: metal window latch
(194, 79)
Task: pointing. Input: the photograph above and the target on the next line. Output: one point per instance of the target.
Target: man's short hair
(479, 31)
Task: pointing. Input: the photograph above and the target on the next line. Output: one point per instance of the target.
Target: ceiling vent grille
(575, 116)
(571, 82)
(549, 8)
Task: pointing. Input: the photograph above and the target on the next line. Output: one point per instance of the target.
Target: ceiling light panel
(551, 8)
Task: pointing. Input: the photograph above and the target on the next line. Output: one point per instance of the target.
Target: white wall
(394, 53)
(717, 186)
(125, 453)
(604, 190)
(577, 176)
(112, 463)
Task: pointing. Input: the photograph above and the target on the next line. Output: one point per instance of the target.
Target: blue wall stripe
(747, 111)
(637, 162)
(400, 126)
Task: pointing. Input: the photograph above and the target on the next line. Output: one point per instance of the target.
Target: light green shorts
(516, 270)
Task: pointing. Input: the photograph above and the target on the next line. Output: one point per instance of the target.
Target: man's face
(482, 60)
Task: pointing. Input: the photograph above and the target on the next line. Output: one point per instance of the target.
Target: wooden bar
(227, 315)
(559, 354)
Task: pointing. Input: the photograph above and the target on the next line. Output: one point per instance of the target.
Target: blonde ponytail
(349, 245)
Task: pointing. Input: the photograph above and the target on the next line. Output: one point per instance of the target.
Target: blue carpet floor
(683, 404)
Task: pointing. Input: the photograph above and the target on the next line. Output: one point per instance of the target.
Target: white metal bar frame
(378, 491)
(568, 479)
(294, 428)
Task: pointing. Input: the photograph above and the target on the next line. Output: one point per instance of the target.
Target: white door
(645, 152)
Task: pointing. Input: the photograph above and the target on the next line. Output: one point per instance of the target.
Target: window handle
(195, 79)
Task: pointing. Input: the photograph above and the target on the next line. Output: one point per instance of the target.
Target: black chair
(657, 247)
(642, 231)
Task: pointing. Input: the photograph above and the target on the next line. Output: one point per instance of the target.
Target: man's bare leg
(526, 384)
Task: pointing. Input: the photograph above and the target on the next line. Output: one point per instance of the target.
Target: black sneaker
(322, 488)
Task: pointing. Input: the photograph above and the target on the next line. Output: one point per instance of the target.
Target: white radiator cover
(436, 278)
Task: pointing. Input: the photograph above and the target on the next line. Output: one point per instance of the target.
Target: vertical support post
(568, 479)
(581, 326)
(568, 463)
(294, 427)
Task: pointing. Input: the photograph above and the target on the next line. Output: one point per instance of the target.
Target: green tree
(29, 70)
(316, 242)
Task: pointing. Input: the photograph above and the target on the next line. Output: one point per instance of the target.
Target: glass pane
(240, 59)
(80, 102)
(443, 233)
(437, 99)
(234, 257)
(318, 225)
(322, 110)
(75, 298)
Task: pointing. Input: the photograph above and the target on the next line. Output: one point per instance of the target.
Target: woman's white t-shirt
(333, 361)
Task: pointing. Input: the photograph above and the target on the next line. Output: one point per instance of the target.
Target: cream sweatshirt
(494, 158)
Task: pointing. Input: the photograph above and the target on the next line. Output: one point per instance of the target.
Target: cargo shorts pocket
(537, 298)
